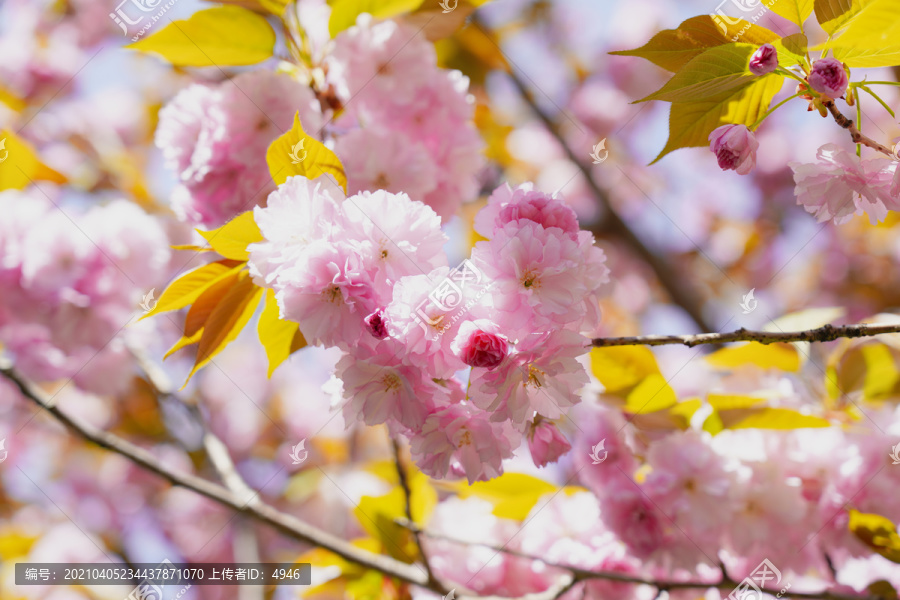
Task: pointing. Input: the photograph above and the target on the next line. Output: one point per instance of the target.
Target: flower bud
(764, 60)
(376, 324)
(479, 345)
(829, 77)
(735, 148)
(546, 443)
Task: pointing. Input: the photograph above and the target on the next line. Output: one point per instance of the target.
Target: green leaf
(716, 70)
(690, 123)
(867, 58)
(874, 27)
(220, 36)
(795, 11)
(651, 395)
(622, 367)
(671, 49)
(792, 50)
(344, 12)
(769, 418)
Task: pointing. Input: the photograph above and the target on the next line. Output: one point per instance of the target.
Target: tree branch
(407, 493)
(855, 134)
(284, 523)
(826, 333)
(579, 575)
(681, 294)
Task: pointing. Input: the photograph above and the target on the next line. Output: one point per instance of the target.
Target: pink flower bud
(479, 344)
(828, 77)
(764, 60)
(735, 148)
(546, 443)
(376, 324)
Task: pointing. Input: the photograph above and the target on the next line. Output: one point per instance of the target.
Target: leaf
(769, 418)
(876, 532)
(622, 367)
(672, 49)
(206, 303)
(795, 11)
(227, 320)
(512, 494)
(716, 70)
(690, 123)
(184, 342)
(832, 15)
(231, 239)
(772, 356)
(731, 402)
(220, 36)
(20, 165)
(344, 12)
(377, 516)
(859, 58)
(651, 395)
(188, 287)
(278, 337)
(317, 161)
(810, 318)
(792, 50)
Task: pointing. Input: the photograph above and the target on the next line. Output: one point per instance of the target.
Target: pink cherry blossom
(841, 185)
(480, 344)
(735, 148)
(524, 203)
(828, 77)
(546, 442)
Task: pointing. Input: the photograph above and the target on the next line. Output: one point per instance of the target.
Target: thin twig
(579, 574)
(282, 522)
(826, 333)
(674, 283)
(855, 134)
(407, 493)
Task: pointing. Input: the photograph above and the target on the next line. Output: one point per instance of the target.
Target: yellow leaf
(344, 12)
(834, 15)
(185, 341)
(227, 320)
(730, 402)
(769, 418)
(187, 288)
(512, 494)
(683, 411)
(651, 395)
(672, 49)
(286, 156)
(876, 532)
(378, 515)
(622, 367)
(220, 36)
(20, 165)
(771, 356)
(231, 239)
(881, 371)
(278, 337)
(792, 49)
(206, 302)
(275, 7)
(795, 11)
(690, 123)
(867, 58)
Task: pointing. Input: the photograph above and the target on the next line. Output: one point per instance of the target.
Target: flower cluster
(405, 125)
(70, 285)
(464, 362)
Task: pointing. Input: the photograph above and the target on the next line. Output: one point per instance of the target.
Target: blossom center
(333, 295)
(535, 377)
(391, 382)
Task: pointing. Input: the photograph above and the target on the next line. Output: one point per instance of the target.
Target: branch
(284, 523)
(826, 333)
(407, 493)
(681, 294)
(855, 134)
(578, 574)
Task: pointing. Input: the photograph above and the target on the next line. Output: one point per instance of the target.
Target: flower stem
(771, 110)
